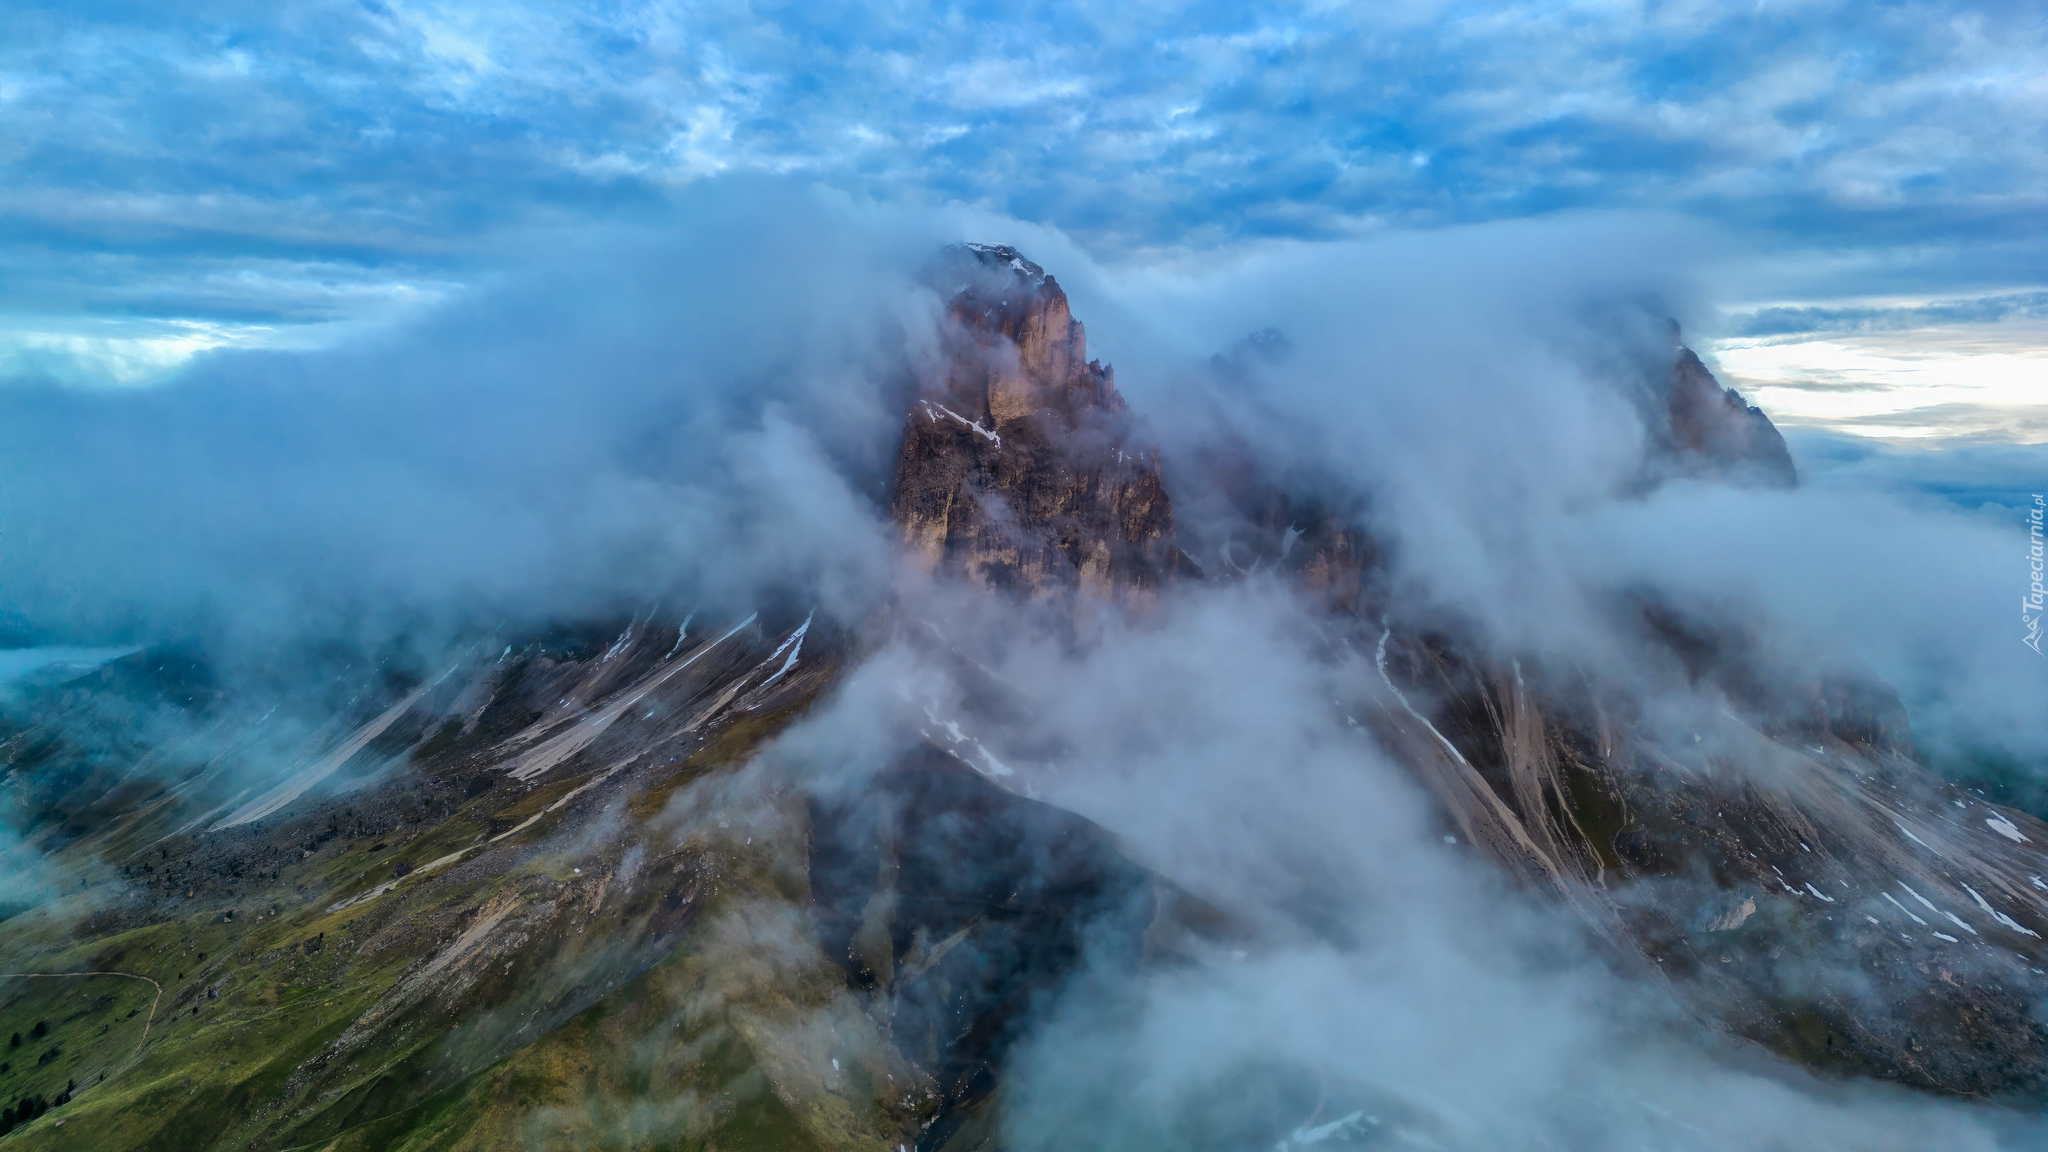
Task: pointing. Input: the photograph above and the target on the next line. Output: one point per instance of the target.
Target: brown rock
(1714, 430)
(1021, 467)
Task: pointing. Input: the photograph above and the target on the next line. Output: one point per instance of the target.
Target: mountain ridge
(570, 894)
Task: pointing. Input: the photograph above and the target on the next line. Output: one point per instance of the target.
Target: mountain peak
(1714, 430)
(1003, 257)
(1021, 466)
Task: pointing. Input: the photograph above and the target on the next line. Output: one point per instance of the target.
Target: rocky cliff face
(1713, 431)
(1021, 467)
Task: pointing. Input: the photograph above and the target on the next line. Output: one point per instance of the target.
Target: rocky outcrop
(955, 907)
(1021, 466)
(1713, 431)
(1764, 837)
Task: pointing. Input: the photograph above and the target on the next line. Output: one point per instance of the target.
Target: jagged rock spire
(1714, 430)
(1021, 466)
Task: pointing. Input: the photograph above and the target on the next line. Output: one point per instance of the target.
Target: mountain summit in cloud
(1147, 798)
(1714, 430)
(1021, 466)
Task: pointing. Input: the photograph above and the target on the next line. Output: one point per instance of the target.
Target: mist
(1382, 977)
(618, 415)
(707, 411)
(1483, 389)
(707, 414)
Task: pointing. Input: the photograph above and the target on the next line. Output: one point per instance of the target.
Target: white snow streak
(1903, 908)
(1380, 661)
(986, 433)
(1959, 921)
(2005, 827)
(2001, 917)
(682, 634)
(795, 644)
(1305, 1135)
(624, 639)
(988, 765)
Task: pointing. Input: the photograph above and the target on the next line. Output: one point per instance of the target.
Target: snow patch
(1734, 917)
(981, 760)
(986, 433)
(795, 645)
(2005, 827)
(1002, 255)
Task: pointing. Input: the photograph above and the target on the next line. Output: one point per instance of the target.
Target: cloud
(1420, 1041)
(1925, 597)
(1485, 390)
(1380, 981)
(1992, 477)
(710, 410)
(1853, 317)
(626, 415)
(412, 137)
(1889, 373)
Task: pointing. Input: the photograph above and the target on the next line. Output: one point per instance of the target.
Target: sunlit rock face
(1021, 467)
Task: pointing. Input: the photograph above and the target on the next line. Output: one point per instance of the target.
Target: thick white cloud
(624, 415)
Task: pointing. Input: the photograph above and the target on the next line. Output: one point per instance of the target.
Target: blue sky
(183, 176)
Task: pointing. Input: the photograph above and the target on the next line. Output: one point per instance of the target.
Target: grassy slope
(566, 988)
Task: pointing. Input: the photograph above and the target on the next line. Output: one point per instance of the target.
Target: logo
(2036, 600)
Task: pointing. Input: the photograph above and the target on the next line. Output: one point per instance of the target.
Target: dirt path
(146, 1022)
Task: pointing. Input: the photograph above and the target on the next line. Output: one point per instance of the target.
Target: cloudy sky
(1874, 176)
